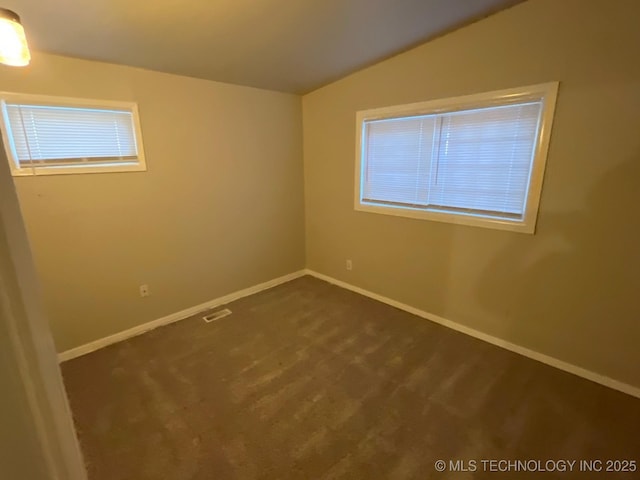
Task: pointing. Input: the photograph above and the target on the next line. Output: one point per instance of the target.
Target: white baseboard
(174, 317)
(540, 357)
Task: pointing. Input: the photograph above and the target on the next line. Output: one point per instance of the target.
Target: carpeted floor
(310, 381)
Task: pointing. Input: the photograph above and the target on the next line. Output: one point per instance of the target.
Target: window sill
(521, 226)
(80, 170)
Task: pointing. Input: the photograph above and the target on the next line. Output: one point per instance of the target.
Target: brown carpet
(310, 381)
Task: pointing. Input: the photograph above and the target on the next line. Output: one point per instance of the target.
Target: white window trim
(548, 92)
(47, 100)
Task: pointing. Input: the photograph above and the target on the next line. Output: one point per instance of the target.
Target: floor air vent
(213, 316)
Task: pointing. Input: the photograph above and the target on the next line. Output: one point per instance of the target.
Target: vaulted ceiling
(287, 45)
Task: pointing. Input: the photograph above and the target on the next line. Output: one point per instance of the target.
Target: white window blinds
(52, 136)
(474, 161)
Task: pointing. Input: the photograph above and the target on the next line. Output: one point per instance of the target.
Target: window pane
(398, 160)
(51, 134)
(472, 161)
(485, 159)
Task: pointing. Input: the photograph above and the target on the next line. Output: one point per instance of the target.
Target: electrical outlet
(144, 291)
(349, 264)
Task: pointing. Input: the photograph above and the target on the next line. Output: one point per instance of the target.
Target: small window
(47, 135)
(474, 160)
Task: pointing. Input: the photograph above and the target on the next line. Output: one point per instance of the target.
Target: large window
(474, 160)
(49, 135)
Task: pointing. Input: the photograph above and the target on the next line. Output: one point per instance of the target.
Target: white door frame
(32, 342)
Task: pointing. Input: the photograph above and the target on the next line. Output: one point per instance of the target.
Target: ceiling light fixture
(14, 50)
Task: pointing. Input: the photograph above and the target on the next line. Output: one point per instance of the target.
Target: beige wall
(219, 209)
(571, 290)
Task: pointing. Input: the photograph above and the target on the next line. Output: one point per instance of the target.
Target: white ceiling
(287, 45)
